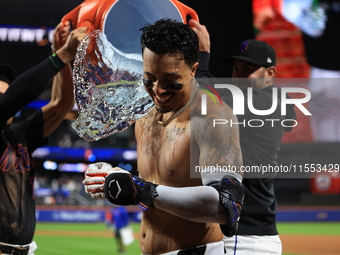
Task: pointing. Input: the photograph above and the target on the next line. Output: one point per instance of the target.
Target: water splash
(108, 88)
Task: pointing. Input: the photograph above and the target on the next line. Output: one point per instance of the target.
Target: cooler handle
(185, 11)
(88, 15)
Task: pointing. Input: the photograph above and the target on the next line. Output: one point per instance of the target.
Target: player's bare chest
(165, 139)
(166, 151)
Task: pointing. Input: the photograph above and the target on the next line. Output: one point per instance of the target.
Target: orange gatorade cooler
(121, 20)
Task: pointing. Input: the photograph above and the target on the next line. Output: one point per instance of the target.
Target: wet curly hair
(170, 36)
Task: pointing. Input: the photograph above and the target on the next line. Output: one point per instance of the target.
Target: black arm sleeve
(28, 87)
(203, 67)
(203, 75)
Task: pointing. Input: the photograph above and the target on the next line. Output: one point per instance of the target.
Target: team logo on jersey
(21, 161)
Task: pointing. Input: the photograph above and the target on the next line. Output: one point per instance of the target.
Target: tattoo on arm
(50, 121)
(220, 144)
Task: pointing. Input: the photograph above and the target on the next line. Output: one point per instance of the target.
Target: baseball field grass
(96, 238)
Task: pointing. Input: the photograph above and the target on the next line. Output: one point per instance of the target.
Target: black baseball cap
(8, 72)
(254, 51)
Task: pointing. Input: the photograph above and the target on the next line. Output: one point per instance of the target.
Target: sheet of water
(108, 88)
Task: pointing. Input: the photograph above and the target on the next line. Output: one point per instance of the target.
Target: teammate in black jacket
(253, 66)
(19, 140)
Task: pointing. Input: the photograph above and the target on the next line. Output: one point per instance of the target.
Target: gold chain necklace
(164, 124)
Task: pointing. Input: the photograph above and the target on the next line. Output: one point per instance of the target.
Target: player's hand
(68, 51)
(95, 178)
(123, 188)
(202, 34)
(60, 35)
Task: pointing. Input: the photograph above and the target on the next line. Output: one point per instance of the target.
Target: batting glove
(123, 188)
(95, 178)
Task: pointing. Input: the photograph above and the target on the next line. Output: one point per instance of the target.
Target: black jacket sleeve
(27, 87)
(203, 67)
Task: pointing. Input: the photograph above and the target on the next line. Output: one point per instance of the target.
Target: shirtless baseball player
(182, 214)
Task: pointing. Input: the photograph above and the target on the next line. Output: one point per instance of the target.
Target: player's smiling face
(167, 80)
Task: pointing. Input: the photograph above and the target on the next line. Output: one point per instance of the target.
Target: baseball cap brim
(7, 71)
(230, 60)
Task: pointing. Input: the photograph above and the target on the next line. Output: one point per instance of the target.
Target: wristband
(57, 62)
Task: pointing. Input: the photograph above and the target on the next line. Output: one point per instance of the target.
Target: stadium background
(60, 165)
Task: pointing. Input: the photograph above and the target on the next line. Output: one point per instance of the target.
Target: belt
(6, 249)
(198, 250)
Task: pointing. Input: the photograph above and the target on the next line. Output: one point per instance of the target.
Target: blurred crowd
(66, 189)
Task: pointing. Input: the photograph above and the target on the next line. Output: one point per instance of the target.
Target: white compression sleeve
(191, 203)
